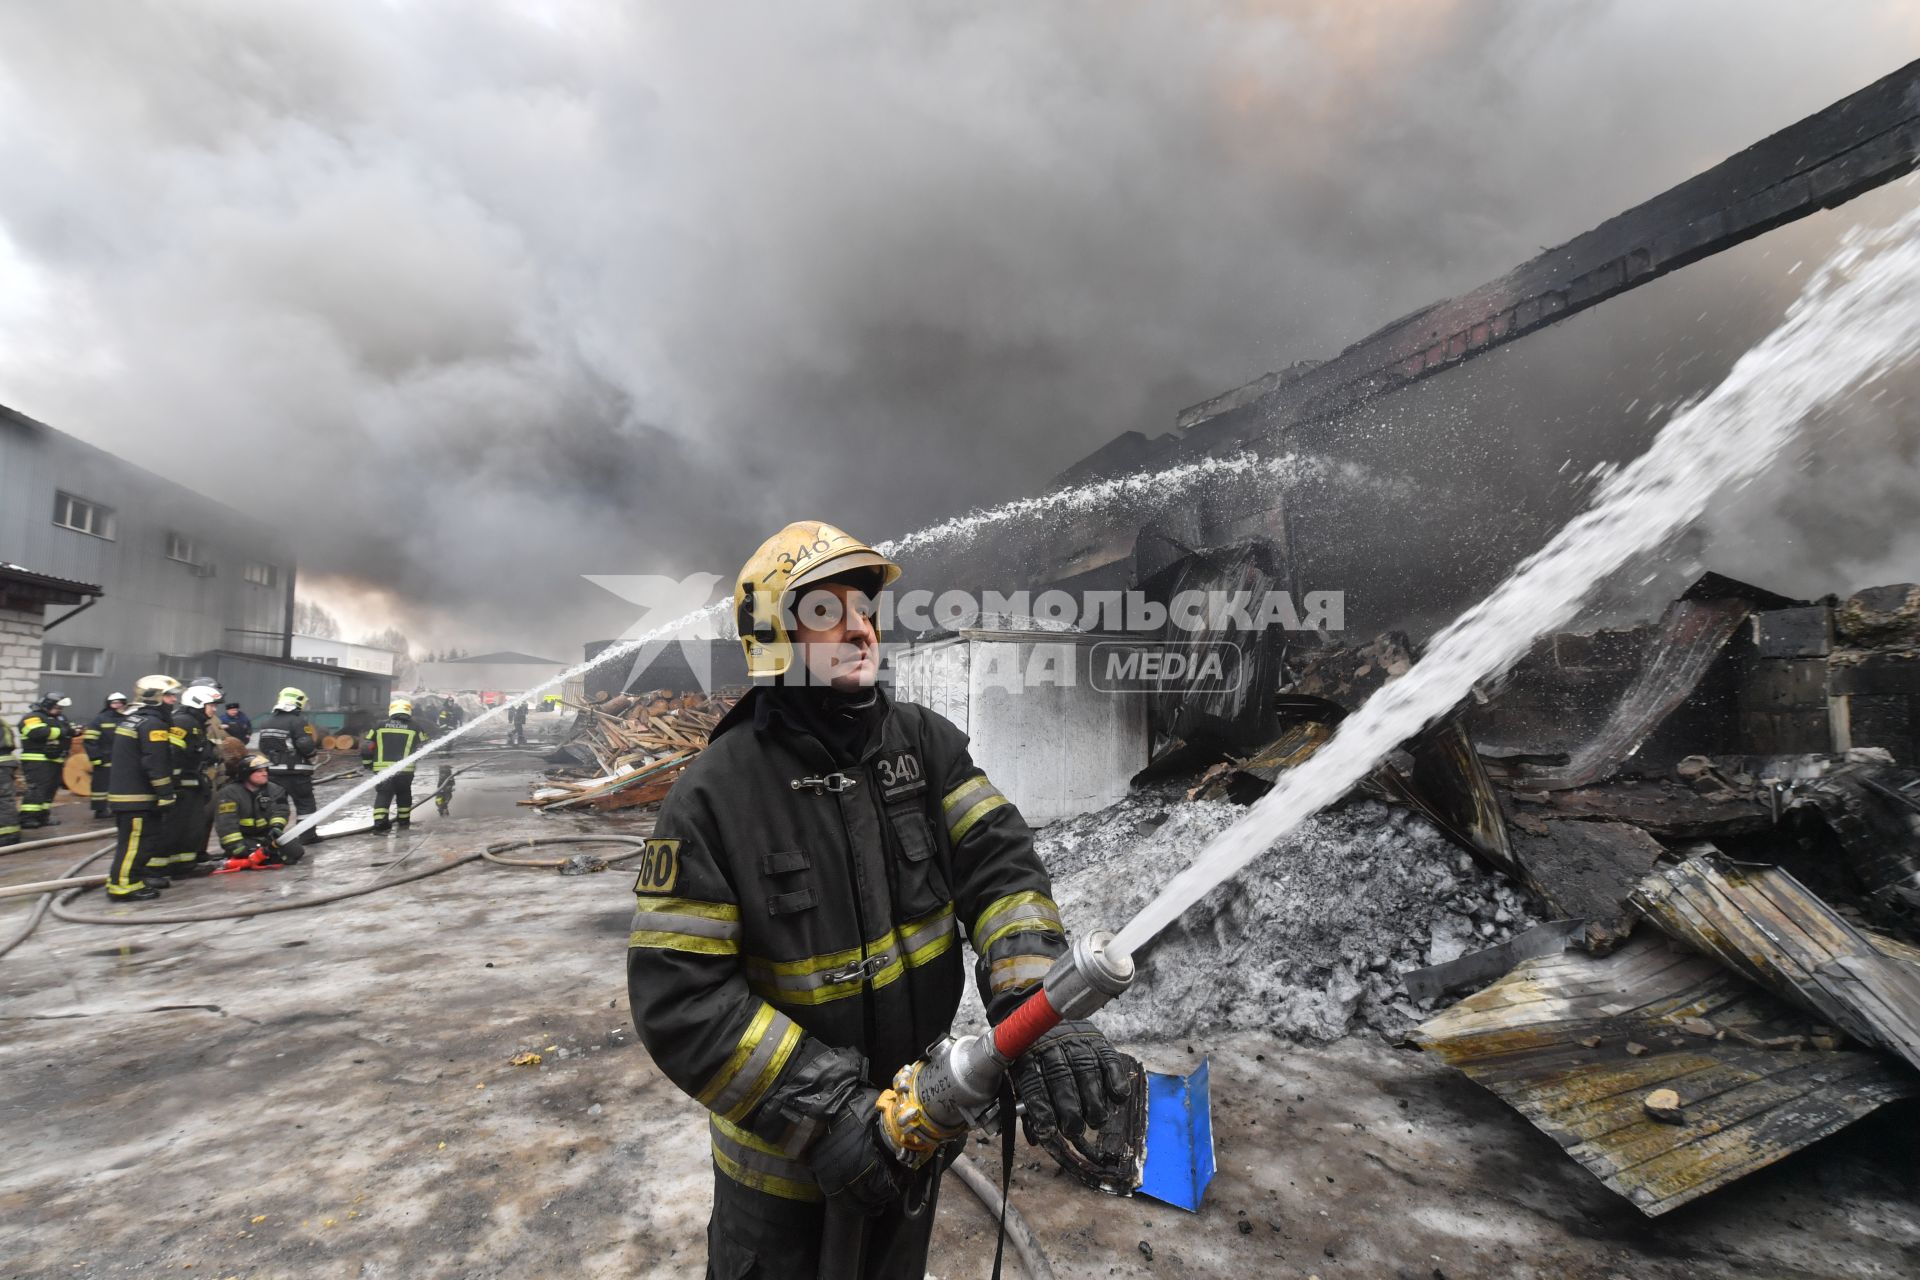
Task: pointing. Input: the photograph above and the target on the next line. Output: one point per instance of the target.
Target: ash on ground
(1309, 941)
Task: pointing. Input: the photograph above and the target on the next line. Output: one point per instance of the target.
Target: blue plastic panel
(1179, 1139)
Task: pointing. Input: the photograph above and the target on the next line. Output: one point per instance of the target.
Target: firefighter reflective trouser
(770, 1237)
(189, 821)
(43, 780)
(394, 789)
(298, 784)
(132, 851)
(9, 813)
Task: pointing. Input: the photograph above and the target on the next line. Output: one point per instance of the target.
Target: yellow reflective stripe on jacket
(969, 802)
(822, 979)
(1027, 912)
(756, 1062)
(686, 924)
(1017, 971)
(754, 1163)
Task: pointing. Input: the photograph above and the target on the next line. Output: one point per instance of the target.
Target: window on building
(178, 665)
(69, 660)
(181, 548)
(351, 693)
(261, 574)
(82, 516)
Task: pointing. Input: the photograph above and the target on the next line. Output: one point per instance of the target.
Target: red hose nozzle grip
(1026, 1024)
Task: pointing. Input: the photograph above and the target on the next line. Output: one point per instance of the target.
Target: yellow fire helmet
(800, 554)
(154, 687)
(399, 707)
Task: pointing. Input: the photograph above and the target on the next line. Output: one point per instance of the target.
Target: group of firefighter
(157, 772)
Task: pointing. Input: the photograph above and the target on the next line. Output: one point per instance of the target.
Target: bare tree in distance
(406, 674)
(310, 619)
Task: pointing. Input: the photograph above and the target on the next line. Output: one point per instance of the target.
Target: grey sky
(482, 297)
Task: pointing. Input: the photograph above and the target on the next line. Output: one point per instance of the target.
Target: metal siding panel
(151, 605)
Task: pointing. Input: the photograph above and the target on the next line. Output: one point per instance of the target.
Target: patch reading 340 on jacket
(659, 867)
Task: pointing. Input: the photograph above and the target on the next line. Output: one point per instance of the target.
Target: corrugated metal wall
(153, 606)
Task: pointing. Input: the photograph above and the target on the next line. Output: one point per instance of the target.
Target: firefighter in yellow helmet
(796, 936)
(393, 739)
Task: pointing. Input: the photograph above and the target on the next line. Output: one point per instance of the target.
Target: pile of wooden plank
(640, 743)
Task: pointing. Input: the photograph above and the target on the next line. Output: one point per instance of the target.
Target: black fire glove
(850, 1159)
(1069, 1080)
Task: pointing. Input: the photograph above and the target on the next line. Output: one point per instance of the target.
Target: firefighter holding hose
(799, 917)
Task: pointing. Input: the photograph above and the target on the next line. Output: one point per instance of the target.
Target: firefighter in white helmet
(98, 736)
(286, 739)
(796, 937)
(191, 820)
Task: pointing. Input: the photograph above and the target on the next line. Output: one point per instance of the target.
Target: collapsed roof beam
(1863, 141)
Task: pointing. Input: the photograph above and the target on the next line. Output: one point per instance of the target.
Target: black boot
(154, 880)
(135, 895)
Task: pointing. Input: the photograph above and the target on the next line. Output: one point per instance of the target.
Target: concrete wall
(1054, 750)
(20, 663)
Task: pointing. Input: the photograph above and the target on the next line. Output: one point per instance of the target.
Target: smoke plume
(478, 298)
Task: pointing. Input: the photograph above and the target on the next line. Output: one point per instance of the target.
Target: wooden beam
(1863, 141)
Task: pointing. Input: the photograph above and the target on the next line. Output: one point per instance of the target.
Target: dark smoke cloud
(485, 297)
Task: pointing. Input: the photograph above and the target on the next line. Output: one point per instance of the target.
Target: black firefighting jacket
(140, 775)
(44, 736)
(98, 736)
(192, 753)
(786, 908)
(392, 741)
(286, 742)
(244, 817)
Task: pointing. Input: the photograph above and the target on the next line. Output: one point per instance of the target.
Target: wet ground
(332, 1093)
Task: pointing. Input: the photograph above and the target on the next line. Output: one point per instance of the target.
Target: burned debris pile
(1674, 872)
(627, 750)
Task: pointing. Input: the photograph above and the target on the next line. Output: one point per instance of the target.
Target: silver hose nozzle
(1088, 976)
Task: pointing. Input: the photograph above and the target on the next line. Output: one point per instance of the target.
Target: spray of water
(1858, 318)
(1154, 488)
(1096, 495)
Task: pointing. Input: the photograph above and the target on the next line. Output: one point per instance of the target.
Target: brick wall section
(19, 662)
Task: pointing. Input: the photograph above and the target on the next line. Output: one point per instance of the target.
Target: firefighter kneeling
(250, 813)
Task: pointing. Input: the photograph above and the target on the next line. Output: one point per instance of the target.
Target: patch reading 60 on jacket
(659, 867)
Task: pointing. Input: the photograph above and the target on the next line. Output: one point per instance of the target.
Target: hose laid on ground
(40, 908)
(492, 852)
(50, 841)
(61, 911)
(1032, 1256)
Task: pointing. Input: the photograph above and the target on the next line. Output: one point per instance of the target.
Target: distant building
(503, 672)
(178, 583)
(24, 599)
(339, 653)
